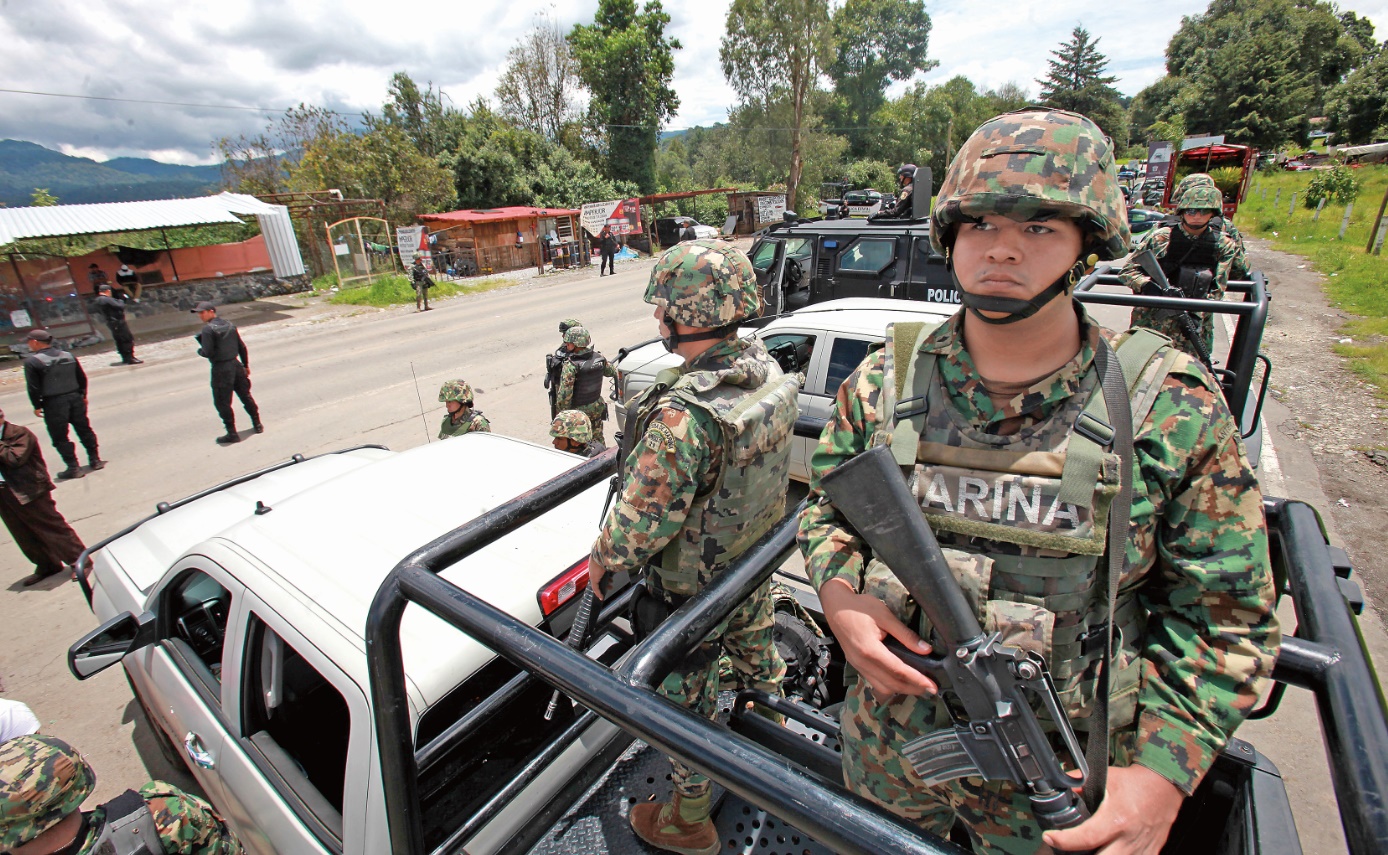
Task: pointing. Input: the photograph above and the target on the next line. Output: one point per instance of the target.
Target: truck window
(196, 608)
(766, 253)
(298, 723)
(791, 351)
(868, 256)
(845, 355)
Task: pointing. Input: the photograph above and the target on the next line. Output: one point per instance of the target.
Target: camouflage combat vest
(1185, 256)
(749, 495)
(1023, 518)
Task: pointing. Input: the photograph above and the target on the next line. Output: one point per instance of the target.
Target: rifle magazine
(939, 757)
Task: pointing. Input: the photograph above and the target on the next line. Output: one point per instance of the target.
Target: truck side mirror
(920, 194)
(109, 643)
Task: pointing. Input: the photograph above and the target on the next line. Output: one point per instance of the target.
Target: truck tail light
(563, 588)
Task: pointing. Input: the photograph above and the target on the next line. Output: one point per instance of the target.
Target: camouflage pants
(746, 638)
(597, 414)
(996, 814)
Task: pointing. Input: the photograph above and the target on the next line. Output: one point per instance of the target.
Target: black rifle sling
(1120, 414)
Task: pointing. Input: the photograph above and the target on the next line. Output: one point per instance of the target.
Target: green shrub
(1337, 184)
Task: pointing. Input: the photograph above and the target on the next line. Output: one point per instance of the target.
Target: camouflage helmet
(704, 283)
(1192, 180)
(1018, 164)
(1200, 197)
(578, 337)
(565, 324)
(43, 780)
(572, 424)
(456, 390)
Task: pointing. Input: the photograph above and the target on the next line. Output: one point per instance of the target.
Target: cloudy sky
(272, 54)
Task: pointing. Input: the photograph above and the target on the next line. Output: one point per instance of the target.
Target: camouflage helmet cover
(573, 425)
(1200, 197)
(704, 283)
(1192, 180)
(43, 780)
(1022, 163)
(578, 337)
(456, 390)
(565, 324)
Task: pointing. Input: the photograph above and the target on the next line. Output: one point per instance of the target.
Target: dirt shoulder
(1336, 415)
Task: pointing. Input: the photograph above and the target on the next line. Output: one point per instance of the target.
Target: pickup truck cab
(240, 617)
(824, 342)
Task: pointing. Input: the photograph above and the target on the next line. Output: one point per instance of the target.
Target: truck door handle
(192, 744)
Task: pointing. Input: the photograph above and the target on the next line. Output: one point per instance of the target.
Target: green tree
(626, 62)
(1076, 82)
(421, 114)
(41, 198)
(539, 88)
(263, 163)
(876, 41)
(774, 50)
(1358, 107)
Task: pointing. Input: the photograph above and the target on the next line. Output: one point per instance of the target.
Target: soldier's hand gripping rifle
(1159, 286)
(583, 618)
(999, 736)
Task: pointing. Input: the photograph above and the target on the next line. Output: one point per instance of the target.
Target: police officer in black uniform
(901, 208)
(221, 345)
(112, 311)
(58, 390)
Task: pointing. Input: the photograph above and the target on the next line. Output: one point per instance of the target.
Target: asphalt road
(327, 378)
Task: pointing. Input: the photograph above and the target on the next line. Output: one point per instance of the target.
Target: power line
(157, 103)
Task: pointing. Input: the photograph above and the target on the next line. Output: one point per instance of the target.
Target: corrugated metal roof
(492, 215)
(60, 220)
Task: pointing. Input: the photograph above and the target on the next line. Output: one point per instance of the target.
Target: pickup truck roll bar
(1328, 656)
(820, 808)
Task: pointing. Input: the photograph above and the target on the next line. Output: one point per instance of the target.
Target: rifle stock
(999, 736)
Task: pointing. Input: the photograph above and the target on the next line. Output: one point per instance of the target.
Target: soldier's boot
(680, 825)
(72, 471)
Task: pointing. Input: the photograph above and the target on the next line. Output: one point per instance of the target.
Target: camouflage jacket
(596, 411)
(673, 464)
(1197, 548)
(187, 824)
(468, 422)
(1230, 257)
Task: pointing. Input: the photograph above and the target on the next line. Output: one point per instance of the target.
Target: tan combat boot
(680, 825)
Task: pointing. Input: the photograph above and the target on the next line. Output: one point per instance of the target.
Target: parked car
(1296, 166)
(669, 230)
(1143, 219)
(863, 203)
(239, 616)
(825, 342)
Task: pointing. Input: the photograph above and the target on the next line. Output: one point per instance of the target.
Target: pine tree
(1076, 82)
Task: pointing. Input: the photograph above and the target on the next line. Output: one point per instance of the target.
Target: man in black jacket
(221, 345)
(58, 390)
(112, 310)
(607, 245)
(27, 506)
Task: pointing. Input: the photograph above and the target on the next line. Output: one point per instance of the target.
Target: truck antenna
(427, 438)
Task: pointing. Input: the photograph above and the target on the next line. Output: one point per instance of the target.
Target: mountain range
(25, 166)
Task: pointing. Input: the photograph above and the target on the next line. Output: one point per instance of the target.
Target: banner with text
(770, 209)
(411, 242)
(623, 215)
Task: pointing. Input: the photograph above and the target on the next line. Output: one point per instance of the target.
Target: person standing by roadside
(58, 390)
(607, 245)
(27, 506)
(419, 278)
(112, 311)
(221, 345)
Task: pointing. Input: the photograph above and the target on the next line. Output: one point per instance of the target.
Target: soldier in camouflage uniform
(707, 476)
(580, 379)
(571, 432)
(1183, 250)
(1019, 500)
(461, 418)
(1240, 269)
(554, 363)
(43, 782)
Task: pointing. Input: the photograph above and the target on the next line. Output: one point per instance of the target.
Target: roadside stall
(493, 240)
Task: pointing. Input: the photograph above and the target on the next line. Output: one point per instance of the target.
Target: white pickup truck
(240, 617)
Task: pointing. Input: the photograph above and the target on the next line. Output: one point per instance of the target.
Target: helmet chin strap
(676, 338)
(1014, 310)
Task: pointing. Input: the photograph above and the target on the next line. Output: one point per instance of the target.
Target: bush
(1337, 184)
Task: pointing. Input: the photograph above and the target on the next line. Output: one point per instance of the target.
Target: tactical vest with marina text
(1022, 518)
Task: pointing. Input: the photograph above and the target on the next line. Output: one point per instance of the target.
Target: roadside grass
(397, 291)
(1355, 280)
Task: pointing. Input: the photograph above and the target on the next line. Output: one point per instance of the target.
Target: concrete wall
(183, 296)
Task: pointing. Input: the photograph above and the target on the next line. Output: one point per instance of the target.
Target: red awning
(1213, 151)
(494, 215)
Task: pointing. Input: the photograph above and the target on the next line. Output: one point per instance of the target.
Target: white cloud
(341, 53)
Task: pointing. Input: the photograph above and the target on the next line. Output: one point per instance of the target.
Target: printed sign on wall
(623, 215)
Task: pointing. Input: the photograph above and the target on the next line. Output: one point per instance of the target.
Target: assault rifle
(1159, 286)
(998, 736)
